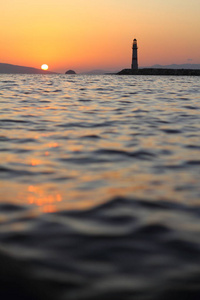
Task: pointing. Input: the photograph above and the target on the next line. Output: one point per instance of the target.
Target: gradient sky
(85, 34)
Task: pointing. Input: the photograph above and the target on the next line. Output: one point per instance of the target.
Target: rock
(70, 72)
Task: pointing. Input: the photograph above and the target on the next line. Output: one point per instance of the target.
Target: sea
(99, 187)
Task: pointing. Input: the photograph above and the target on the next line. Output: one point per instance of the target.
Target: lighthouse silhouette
(134, 65)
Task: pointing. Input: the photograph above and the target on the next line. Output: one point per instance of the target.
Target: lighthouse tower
(134, 65)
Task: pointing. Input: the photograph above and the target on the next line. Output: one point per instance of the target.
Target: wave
(122, 249)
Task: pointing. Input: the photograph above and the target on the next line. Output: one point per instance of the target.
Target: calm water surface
(100, 184)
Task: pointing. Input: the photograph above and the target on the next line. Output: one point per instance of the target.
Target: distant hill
(14, 69)
(175, 66)
(95, 72)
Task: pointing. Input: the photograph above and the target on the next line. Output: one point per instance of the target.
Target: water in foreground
(100, 187)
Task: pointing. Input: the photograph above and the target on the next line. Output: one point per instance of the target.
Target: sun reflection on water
(35, 162)
(45, 199)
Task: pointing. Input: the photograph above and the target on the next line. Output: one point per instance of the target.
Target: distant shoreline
(15, 69)
(166, 72)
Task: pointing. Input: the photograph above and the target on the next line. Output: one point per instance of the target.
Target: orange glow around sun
(44, 67)
(88, 35)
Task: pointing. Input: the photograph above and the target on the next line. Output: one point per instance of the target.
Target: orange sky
(85, 34)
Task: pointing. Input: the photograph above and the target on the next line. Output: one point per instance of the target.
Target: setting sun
(44, 67)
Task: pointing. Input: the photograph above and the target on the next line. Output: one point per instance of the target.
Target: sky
(97, 34)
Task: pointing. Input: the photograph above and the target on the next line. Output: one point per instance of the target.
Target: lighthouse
(134, 65)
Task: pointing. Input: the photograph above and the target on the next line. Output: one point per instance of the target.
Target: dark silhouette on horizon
(15, 69)
(157, 69)
(134, 65)
(70, 72)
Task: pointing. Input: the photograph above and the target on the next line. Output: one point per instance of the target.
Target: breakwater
(166, 72)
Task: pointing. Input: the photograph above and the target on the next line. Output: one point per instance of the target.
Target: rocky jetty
(166, 72)
(70, 72)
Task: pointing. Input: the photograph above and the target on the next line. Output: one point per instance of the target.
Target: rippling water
(100, 185)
